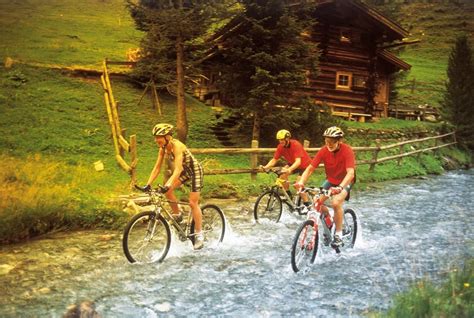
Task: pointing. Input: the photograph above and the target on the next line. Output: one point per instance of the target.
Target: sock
(339, 233)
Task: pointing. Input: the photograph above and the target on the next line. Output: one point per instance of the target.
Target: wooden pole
(375, 154)
(134, 158)
(254, 161)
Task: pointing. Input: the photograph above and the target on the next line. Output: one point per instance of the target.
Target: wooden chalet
(355, 66)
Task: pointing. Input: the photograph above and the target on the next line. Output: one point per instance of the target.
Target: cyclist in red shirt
(297, 159)
(339, 165)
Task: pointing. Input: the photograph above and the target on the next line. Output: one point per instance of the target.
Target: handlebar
(148, 189)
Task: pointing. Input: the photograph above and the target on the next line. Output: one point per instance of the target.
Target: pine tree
(174, 31)
(459, 97)
(264, 61)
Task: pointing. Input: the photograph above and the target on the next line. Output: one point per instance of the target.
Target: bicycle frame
(279, 184)
(157, 199)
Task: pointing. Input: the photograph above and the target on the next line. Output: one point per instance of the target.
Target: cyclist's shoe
(337, 242)
(304, 210)
(326, 239)
(198, 241)
(178, 217)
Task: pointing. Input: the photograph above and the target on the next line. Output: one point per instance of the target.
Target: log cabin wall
(343, 69)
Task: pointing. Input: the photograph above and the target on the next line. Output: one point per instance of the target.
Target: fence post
(374, 158)
(254, 160)
(133, 155)
(400, 151)
(306, 144)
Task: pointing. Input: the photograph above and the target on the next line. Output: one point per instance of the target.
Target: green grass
(453, 298)
(66, 32)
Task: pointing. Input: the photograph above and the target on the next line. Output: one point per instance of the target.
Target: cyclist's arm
(178, 149)
(348, 178)
(295, 165)
(156, 169)
(270, 164)
(307, 172)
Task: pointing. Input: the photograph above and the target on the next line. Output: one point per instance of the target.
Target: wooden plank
(124, 143)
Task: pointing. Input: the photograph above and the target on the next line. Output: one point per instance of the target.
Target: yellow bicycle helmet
(333, 132)
(282, 134)
(163, 129)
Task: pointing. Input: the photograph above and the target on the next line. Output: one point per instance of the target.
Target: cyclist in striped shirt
(186, 168)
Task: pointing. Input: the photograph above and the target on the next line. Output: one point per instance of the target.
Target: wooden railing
(254, 151)
(121, 145)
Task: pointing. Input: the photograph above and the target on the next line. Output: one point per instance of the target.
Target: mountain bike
(319, 227)
(147, 236)
(269, 204)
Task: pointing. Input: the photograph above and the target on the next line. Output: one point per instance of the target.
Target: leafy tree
(174, 38)
(459, 96)
(264, 59)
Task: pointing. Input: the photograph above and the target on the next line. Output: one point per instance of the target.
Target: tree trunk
(256, 126)
(181, 120)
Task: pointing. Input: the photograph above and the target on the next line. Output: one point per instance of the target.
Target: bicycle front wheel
(305, 246)
(268, 207)
(350, 228)
(146, 238)
(213, 225)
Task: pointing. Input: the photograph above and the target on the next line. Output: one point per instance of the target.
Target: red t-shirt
(335, 163)
(295, 150)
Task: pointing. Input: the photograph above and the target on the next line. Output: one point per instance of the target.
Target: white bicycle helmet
(163, 129)
(333, 132)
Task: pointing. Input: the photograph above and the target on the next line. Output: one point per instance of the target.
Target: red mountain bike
(320, 228)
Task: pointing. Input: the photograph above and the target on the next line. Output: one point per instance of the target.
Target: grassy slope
(66, 32)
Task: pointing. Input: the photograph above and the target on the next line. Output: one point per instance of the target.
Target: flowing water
(411, 229)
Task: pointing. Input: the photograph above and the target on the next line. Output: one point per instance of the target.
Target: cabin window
(343, 80)
(345, 35)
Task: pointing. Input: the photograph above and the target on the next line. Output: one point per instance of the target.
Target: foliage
(459, 97)
(454, 298)
(264, 60)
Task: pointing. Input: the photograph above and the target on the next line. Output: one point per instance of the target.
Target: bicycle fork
(313, 238)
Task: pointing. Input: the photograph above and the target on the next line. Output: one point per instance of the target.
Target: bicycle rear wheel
(350, 228)
(213, 225)
(305, 246)
(146, 238)
(268, 207)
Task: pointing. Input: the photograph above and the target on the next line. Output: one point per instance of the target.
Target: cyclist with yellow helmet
(296, 156)
(339, 165)
(186, 168)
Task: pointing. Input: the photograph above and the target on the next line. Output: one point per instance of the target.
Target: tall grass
(38, 195)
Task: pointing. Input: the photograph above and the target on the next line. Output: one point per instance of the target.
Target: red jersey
(335, 163)
(294, 150)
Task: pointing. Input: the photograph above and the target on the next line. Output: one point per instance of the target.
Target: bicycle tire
(350, 228)
(303, 252)
(268, 206)
(139, 245)
(213, 225)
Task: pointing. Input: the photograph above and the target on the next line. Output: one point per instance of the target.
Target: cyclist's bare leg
(172, 197)
(337, 205)
(196, 210)
(285, 176)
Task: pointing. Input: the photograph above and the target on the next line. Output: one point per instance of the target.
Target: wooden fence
(254, 151)
(121, 145)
